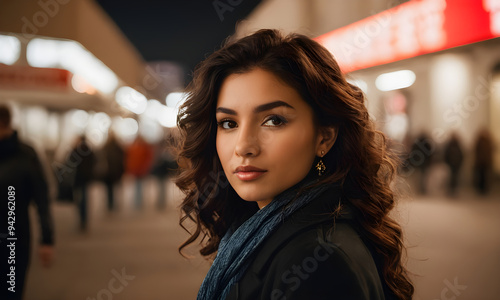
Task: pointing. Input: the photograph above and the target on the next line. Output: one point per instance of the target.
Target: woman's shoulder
(325, 226)
(318, 262)
(333, 257)
(313, 254)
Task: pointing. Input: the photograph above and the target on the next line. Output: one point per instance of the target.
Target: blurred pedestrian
(453, 157)
(420, 156)
(138, 163)
(115, 167)
(483, 161)
(22, 180)
(163, 168)
(83, 160)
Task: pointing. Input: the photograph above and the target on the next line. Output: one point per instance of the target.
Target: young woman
(286, 178)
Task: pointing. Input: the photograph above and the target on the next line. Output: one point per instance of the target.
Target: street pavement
(453, 249)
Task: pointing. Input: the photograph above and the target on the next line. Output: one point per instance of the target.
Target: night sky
(180, 31)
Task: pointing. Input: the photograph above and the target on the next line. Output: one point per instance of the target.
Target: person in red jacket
(138, 164)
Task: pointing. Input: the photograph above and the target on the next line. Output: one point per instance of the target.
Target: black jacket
(313, 256)
(21, 169)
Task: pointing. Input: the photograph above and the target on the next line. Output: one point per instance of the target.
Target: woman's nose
(248, 142)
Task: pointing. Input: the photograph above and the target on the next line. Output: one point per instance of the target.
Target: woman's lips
(247, 173)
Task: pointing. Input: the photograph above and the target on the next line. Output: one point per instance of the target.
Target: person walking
(421, 155)
(483, 161)
(115, 167)
(139, 161)
(22, 182)
(82, 160)
(453, 157)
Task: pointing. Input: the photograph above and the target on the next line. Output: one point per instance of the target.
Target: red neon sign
(30, 78)
(413, 28)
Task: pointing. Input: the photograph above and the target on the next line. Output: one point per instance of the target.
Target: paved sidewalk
(453, 247)
(130, 255)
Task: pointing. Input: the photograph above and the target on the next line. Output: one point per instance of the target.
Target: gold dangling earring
(320, 166)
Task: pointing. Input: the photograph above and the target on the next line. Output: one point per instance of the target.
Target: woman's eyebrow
(258, 109)
(226, 111)
(271, 105)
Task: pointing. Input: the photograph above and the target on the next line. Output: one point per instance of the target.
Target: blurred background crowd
(93, 87)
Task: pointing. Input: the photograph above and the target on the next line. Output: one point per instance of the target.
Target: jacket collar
(320, 210)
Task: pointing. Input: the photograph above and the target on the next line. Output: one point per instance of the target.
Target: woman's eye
(227, 124)
(275, 121)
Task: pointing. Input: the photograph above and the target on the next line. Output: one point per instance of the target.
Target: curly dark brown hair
(359, 159)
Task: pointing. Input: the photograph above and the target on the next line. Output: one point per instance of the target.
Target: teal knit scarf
(237, 247)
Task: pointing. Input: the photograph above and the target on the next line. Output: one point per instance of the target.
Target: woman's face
(266, 137)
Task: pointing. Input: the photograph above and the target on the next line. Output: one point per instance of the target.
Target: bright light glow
(494, 120)
(359, 83)
(43, 53)
(52, 131)
(168, 117)
(395, 80)
(100, 121)
(153, 109)
(176, 99)
(80, 118)
(150, 130)
(397, 127)
(449, 86)
(126, 128)
(81, 85)
(10, 49)
(131, 99)
(493, 7)
(97, 129)
(72, 56)
(38, 119)
(165, 115)
(96, 138)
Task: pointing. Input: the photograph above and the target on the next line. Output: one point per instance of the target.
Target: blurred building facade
(66, 69)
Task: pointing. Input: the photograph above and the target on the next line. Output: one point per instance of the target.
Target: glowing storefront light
(131, 99)
(168, 117)
(52, 130)
(97, 129)
(38, 119)
(150, 130)
(395, 80)
(153, 109)
(165, 115)
(449, 85)
(10, 49)
(80, 118)
(101, 121)
(149, 127)
(80, 85)
(493, 7)
(410, 29)
(176, 99)
(73, 57)
(126, 129)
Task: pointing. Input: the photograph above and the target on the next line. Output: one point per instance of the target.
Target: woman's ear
(326, 138)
